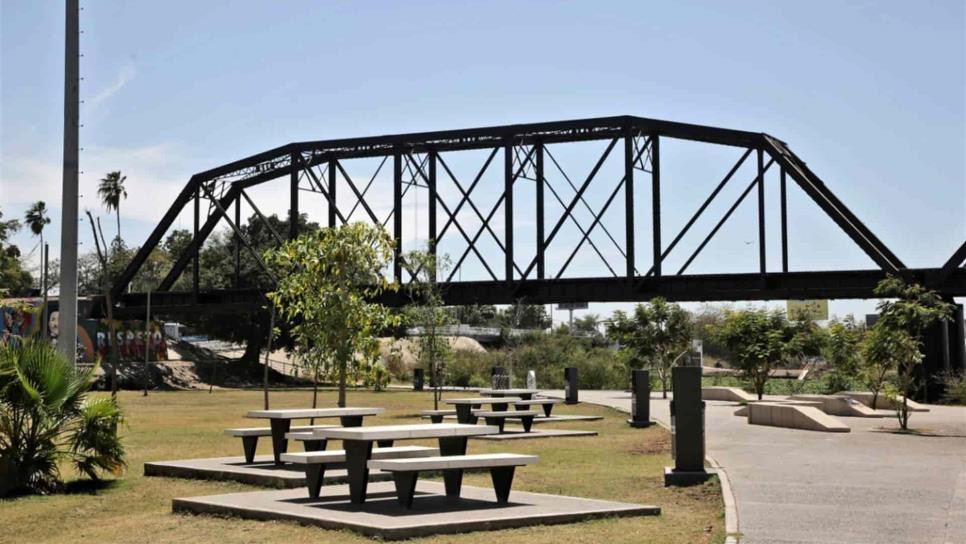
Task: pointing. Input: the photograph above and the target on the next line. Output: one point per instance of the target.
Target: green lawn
(621, 464)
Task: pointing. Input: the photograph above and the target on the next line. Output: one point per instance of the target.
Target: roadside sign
(813, 310)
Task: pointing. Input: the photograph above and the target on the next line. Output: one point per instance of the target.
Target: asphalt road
(869, 486)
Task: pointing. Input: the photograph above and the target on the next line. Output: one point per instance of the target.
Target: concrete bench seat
(250, 435)
(315, 462)
(499, 417)
(546, 404)
(436, 416)
(406, 471)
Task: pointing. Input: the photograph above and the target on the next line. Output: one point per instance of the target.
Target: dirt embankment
(193, 367)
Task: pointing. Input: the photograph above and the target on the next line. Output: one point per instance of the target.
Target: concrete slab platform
(432, 512)
(262, 472)
(510, 433)
(552, 419)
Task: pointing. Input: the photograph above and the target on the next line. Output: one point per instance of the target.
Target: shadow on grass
(89, 487)
(74, 487)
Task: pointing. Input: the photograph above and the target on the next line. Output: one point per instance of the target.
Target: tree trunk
(118, 210)
(342, 375)
(112, 330)
(904, 414)
(253, 347)
(268, 351)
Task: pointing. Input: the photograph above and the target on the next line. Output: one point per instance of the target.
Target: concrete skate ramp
(794, 416)
(733, 394)
(882, 403)
(841, 405)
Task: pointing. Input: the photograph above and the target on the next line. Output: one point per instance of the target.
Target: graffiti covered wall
(22, 318)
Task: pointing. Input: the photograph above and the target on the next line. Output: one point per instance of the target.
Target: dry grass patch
(621, 464)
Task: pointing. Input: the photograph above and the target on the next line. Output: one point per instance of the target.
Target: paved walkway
(868, 486)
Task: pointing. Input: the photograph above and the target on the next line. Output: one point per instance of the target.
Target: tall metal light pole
(67, 340)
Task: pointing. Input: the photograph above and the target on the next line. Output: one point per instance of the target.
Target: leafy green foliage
(427, 312)
(14, 280)
(656, 336)
(897, 336)
(47, 416)
(326, 282)
(758, 341)
(954, 391)
(112, 192)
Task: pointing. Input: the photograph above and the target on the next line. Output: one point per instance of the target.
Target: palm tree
(112, 192)
(36, 218)
(48, 416)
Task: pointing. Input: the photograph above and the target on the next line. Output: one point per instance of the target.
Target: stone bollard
(531, 379)
(419, 377)
(570, 385)
(687, 429)
(640, 399)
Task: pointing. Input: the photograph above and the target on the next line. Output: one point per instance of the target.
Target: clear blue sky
(870, 94)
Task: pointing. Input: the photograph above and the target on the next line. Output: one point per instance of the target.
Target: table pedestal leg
(249, 444)
(453, 479)
(502, 480)
(351, 421)
(464, 414)
(357, 455)
(279, 442)
(315, 445)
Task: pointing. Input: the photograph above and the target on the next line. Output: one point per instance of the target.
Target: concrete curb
(727, 495)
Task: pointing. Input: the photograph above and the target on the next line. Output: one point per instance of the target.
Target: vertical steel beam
(508, 208)
(397, 215)
(541, 263)
(196, 265)
(293, 208)
(761, 213)
(629, 200)
(332, 202)
(656, 202)
(784, 210)
(431, 183)
(237, 244)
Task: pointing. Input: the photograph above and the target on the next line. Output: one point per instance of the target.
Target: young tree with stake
(657, 335)
(326, 283)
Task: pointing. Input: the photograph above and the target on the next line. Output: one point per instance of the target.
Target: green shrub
(836, 381)
(955, 389)
(470, 369)
(378, 377)
(46, 417)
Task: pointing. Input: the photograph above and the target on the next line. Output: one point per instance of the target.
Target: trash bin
(419, 376)
(570, 385)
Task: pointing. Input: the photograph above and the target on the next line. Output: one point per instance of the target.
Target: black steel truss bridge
(419, 160)
(523, 158)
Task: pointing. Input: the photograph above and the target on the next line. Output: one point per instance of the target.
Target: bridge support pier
(944, 348)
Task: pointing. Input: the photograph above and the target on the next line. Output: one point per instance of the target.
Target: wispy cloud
(124, 76)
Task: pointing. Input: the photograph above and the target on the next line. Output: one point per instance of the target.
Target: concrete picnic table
(357, 443)
(281, 421)
(524, 394)
(465, 406)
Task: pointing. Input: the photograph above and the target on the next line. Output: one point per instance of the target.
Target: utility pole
(67, 341)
